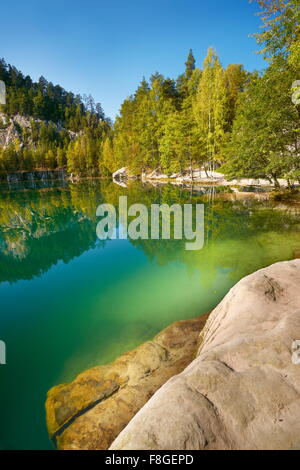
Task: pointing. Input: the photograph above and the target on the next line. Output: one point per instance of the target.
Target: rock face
(11, 128)
(243, 389)
(90, 412)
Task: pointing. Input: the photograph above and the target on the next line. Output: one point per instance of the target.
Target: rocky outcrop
(124, 174)
(13, 129)
(120, 174)
(243, 389)
(90, 412)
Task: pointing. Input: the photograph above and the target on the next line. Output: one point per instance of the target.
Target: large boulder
(243, 389)
(91, 411)
(120, 174)
(124, 174)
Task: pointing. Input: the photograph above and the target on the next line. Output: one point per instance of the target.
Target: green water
(70, 301)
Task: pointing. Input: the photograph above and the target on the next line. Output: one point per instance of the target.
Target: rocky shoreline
(230, 385)
(193, 177)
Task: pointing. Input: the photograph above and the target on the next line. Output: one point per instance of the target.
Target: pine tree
(190, 65)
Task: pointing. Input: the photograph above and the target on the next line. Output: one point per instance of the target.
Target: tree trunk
(191, 169)
(276, 182)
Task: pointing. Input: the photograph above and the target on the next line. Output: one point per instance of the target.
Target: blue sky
(106, 47)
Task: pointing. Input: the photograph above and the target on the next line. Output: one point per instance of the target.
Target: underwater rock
(92, 410)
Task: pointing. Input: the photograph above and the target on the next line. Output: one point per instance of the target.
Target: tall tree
(210, 108)
(190, 65)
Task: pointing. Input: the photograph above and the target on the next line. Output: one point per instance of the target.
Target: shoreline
(199, 177)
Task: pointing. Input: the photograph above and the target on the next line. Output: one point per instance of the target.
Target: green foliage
(65, 130)
(174, 126)
(265, 138)
(281, 24)
(45, 101)
(246, 123)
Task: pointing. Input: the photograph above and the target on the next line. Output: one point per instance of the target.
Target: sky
(105, 48)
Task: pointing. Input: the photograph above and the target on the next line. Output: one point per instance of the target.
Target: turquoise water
(70, 301)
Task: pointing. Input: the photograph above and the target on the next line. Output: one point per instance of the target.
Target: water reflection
(40, 227)
(72, 301)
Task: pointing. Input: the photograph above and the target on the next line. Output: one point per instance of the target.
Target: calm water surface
(70, 301)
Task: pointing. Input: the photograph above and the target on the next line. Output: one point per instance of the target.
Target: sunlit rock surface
(243, 389)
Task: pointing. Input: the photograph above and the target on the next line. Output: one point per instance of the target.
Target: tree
(235, 78)
(264, 142)
(108, 161)
(281, 22)
(179, 146)
(190, 65)
(210, 106)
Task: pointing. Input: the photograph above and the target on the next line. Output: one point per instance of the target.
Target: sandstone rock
(243, 389)
(11, 128)
(120, 174)
(124, 174)
(92, 410)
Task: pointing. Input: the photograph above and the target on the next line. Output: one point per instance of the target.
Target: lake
(70, 301)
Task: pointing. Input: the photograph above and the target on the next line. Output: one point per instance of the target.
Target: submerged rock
(91, 411)
(243, 389)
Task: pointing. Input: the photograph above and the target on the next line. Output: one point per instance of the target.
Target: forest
(245, 124)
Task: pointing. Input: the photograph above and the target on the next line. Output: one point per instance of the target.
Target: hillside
(209, 117)
(44, 126)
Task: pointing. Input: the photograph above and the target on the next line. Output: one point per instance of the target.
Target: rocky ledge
(243, 389)
(90, 412)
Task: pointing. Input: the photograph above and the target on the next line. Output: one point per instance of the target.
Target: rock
(124, 174)
(243, 389)
(120, 174)
(13, 129)
(199, 176)
(91, 411)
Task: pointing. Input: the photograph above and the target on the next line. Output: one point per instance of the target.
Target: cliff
(18, 128)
